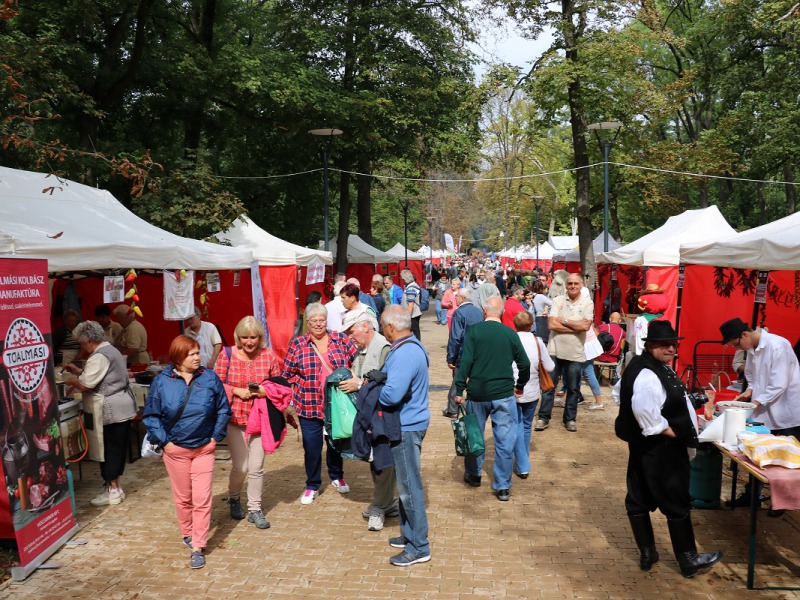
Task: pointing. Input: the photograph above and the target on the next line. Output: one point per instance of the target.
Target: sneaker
(404, 559)
(258, 519)
(397, 542)
(448, 414)
(559, 402)
(523, 475)
(581, 399)
(237, 512)
(308, 496)
(187, 541)
(503, 495)
(197, 561)
(376, 519)
(594, 406)
(561, 393)
(472, 480)
(571, 426)
(341, 485)
(541, 425)
(109, 497)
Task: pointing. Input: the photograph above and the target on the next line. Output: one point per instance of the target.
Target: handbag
(155, 451)
(467, 433)
(545, 381)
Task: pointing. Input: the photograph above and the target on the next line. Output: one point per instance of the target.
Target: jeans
(415, 327)
(587, 370)
(441, 313)
(571, 371)
(504, 430)
(522, 446)
(413, 514)
(542, 329)
(312, 449)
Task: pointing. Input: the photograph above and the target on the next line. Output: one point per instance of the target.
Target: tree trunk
(364, 201)
(345, 206)
(791, 202)
(724, 192)
(762, 206)
(572, 34)
(202, 23)
(703, 198)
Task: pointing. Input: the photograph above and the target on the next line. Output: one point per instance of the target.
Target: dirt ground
(564, 534)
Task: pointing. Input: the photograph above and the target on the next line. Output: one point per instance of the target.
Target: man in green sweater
(486, 374)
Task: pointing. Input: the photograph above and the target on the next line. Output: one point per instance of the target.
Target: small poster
(212, 282)
(315, 273)
(178, 295)
(761, 287)
(681, 276)
(113, 289)
(237, 278)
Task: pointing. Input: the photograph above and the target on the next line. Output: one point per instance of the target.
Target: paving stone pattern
(564, 534)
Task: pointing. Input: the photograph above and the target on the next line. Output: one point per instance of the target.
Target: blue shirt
(406, 369)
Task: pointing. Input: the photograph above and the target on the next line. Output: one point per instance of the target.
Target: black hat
(661, 331)
(732, 330)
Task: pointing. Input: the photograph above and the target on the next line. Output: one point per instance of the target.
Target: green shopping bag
(468, 435)
(343, 413)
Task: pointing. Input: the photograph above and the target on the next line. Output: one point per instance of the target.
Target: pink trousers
(191, 472)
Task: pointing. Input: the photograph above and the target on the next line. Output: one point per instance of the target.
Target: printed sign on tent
(113, 289)
(315, 273)
(178, 295)
(36, 506)
(259, 308)
(212, 282)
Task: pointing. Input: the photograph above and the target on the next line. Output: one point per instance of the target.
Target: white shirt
(207, 337)
(336, 311)
(773, 374)
(95, 368)
(534, 348)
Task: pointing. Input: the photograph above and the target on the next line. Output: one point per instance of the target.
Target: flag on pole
(448, 241)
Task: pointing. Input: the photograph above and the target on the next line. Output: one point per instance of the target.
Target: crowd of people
(519, 345)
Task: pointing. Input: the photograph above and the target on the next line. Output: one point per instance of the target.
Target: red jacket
(511, 309)
(258, 422)
(612, 356)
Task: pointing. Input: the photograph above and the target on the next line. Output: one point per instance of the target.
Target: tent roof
(598, 244)
(564, 242)
(546, 252)
(267, 249)
(360, 252)
(774, 247)
(79, 228)
(399, 252)
(661, 248)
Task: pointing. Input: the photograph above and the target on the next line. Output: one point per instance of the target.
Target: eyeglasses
(318, 322)
(676, 344)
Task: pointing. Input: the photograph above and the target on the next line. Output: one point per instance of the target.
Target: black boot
(643, 534)
(682, 534)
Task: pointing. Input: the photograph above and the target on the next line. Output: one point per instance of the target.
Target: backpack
(606, 340)
(424, 299)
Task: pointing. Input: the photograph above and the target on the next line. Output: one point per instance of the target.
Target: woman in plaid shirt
(309, 361)
(250, 361)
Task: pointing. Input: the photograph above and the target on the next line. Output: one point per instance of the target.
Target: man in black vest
(656, 419)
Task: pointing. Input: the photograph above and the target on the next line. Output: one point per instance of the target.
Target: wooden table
(755, 475)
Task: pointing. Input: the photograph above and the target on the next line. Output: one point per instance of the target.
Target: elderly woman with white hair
(311, 358)
(104, 383)
(243, 370)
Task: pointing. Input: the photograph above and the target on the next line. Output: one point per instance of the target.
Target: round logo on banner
(25, 355)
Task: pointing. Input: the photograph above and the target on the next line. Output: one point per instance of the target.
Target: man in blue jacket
(465, 315)
(406, 369)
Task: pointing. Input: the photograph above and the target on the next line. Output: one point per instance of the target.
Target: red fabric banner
(278, 284)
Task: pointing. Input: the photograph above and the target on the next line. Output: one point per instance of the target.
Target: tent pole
(681, 274)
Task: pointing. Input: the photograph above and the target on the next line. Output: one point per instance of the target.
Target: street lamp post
(515, 218)
(605, 148)
(405, 228)
(537, 206)
(325, 152)
(430, 241)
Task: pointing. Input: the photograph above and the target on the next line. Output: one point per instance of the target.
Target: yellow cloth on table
(782, 451)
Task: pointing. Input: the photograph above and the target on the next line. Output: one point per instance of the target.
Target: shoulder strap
(324, 360)
(183, 406)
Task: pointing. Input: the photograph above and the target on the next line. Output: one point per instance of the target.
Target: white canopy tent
(360, 252)
(771, 247)
(546, 252)
(661, 248)
(268, 249)
(80, 228)
(398, 251)
(598, 244)
(564, 242)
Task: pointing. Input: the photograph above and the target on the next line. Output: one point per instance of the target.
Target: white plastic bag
(151, 450)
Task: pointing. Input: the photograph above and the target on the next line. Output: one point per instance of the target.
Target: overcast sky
(502, 43)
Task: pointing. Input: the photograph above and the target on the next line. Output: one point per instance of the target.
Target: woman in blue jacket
(187, 412)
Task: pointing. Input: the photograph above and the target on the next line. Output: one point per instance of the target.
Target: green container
(705, 483)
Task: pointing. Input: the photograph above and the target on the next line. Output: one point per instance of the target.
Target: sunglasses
(666, 344)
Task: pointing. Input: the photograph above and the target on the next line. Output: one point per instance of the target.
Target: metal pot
(61, 390)
(16, 455)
